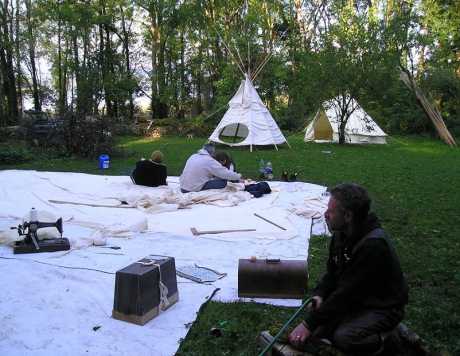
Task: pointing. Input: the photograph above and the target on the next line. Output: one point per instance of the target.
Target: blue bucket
(104, 161)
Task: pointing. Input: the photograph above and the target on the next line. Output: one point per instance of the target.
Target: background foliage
(186, 57)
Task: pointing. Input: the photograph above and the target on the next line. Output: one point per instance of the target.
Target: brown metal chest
(272, 278)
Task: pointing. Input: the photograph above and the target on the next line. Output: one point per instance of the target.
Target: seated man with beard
(362, 295)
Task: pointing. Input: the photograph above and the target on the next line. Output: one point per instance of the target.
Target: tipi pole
(246, 6)
(231, 53)
(239, 56)
(236, 132)
(262, 65)
(431, 111)
(262, 61)
(249, 61)
(215, 112)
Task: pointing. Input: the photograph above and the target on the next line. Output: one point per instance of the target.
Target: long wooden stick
(262, 65)
(121, 205)
(430, 110)
(269, 221)
(196, 232)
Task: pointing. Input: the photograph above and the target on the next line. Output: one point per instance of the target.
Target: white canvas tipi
(247, 120)
(360, 127)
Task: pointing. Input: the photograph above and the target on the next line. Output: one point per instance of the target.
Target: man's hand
(299, 335)
(316, 302)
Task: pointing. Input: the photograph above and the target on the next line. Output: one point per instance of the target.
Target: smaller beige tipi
(360, 127)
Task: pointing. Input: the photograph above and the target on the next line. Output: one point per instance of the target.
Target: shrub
(14, 155)
(196, 127)
(84, 137)
(88, 136)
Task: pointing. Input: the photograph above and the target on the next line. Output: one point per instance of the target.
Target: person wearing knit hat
(210, 148)
(150, 172)
(157, 156)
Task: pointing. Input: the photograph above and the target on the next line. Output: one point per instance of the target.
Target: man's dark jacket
(362, 274)
(149, 173)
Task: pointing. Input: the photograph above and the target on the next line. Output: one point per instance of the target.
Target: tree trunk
(199, 78)
(342, 125)
(183, 91)
(3, 82)
(344, 104)
(80, 109)
(127, 63)
(18, 59)
(3, 117)
(104, 69)
(31, 42)
(159, 107)
(6, 63)
(154, 32)
(61, 67)
(300, 21)
(104, 59)
(109, 73)
(163, 107)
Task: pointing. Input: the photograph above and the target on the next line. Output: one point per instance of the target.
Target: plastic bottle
(285, 176)
(262, 169)
(33, 215)
(293, 177)
(269, 171)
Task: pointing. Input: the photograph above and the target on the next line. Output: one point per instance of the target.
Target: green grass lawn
(415, 185)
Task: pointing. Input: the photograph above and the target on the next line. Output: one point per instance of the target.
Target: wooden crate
(137, 289)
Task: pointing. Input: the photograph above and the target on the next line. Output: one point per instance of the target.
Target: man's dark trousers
(362, 332)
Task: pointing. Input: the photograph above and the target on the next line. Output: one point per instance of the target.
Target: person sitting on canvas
(202, 171)
(362, 295)
(150, 172)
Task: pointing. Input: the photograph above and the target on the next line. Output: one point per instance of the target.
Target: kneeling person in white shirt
(202, 172)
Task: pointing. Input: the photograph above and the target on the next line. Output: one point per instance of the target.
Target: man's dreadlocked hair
(354, 198)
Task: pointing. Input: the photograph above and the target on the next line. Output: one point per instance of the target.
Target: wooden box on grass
(272, 278)
(137, 289)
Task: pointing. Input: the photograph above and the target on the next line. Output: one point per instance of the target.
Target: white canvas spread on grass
(61, 303)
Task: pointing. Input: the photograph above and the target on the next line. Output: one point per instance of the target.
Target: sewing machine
(31, 242)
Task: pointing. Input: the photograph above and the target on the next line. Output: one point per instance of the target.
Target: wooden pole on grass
(430, 110)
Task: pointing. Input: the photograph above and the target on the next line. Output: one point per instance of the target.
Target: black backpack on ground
(258, 189)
